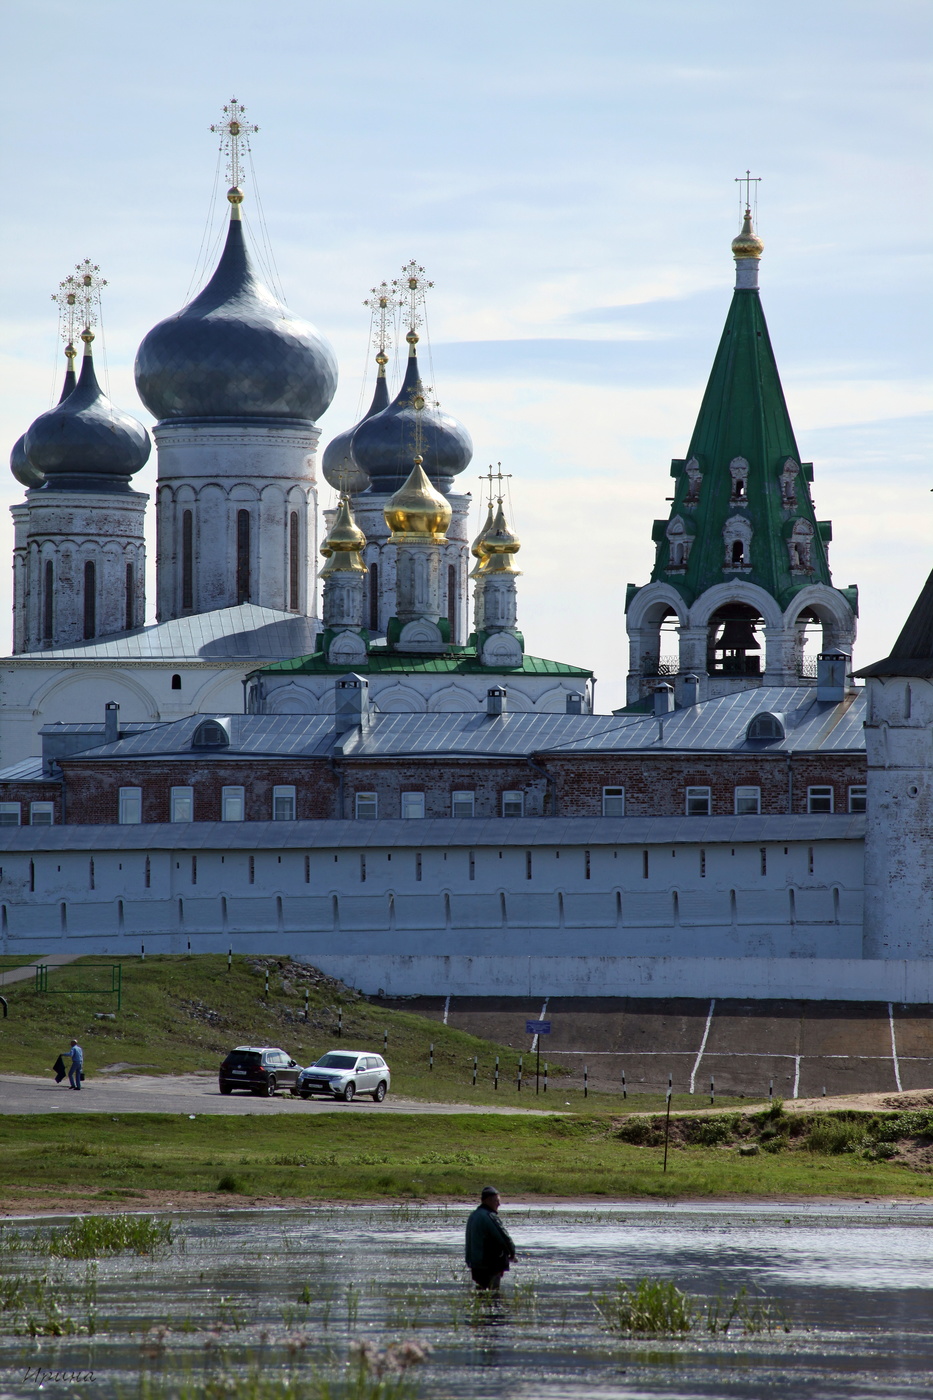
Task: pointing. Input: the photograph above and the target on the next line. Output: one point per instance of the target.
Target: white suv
(344, 1074)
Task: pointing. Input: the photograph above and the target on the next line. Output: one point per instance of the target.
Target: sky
(566, 176)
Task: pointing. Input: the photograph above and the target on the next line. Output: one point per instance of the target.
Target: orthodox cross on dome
(233, 131)
(78, 299)
(411, 287)
(748, 179)
(383, 301)
(498, 476)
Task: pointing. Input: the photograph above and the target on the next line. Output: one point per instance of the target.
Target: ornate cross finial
(78, 299)
(498, 476)
(383, 301)
(411, 286)
(233, 130)
(748, 179)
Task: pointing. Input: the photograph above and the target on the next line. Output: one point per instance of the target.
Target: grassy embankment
(182, 1014)
(397, 1157)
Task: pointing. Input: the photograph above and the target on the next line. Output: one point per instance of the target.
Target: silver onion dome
(235, 351)
(384, 446)
(337, 464)
(85, 443)
(26, 474)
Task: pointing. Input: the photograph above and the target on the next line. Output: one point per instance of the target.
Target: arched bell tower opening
(733, 644)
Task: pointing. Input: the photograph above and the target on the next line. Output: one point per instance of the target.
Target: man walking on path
(75, 1074)
(489, 1246)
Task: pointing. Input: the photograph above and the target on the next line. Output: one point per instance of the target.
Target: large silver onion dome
(85, 443)
(235, 351)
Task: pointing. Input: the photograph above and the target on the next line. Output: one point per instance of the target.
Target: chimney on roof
(111, 722)
(690, 690)
(575, 703)
(352, 709)
(832, 669)
(497, 701)
(663, 699)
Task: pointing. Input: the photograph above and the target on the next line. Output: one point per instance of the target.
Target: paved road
(27, 972)
(188, 1093)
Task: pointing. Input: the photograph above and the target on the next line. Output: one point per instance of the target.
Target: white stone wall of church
(397, 913)
(427, 692)
(899, 823)
(215, 470)
(38, 693)
(70, 529)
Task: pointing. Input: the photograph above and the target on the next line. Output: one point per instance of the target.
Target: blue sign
(538, 1027)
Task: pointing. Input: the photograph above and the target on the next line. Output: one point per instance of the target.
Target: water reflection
(298, 1288)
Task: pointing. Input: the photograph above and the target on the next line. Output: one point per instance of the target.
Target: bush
(642, 1132)
(229, 1182)
(834, 1135)
(713, 1132)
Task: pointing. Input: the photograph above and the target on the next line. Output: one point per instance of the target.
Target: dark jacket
(489, 1245)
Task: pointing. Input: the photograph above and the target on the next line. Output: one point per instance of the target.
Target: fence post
(667, 1118)
(545, 1076)
(496, 1079)
(340, 1023)
(585, 1082)
(229, 958)
(474, 1071)
(431, 1056)
(385, 1040)
(306, 1003)
(624, 1090)
(142, 952)
(520, 1058)
(267, 982)
(770, 1090)
(712, 1090)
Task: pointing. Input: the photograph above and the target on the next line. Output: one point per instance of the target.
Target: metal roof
(245, 633)
(444, 833)
(714, 726)
(28, 770)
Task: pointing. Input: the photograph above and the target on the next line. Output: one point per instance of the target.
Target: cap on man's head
(488, 1191)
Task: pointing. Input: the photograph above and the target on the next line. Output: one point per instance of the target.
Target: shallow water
(855, 1282)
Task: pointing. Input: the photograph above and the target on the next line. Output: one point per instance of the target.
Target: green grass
(399, 1157)
(182, 1014)
(658, 1308)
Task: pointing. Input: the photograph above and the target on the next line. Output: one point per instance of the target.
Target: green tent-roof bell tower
(742, 564)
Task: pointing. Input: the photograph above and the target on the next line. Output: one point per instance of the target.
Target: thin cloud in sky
(566, 176)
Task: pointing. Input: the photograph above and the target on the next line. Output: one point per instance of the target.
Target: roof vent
(211, 734)
(497, 701)
(574, 703)
(765, 728)
(111, 722)
(832, 668)
(664, 699)
(352, 707)
(690, 690)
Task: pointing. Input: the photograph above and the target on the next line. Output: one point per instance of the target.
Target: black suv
(259, 1068)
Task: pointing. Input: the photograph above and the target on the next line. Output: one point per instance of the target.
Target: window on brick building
(462, 804)
(283, 804)
(747, 801)
(413, 805)
(232, 804)
(131, 806)
(857, 798)
(513, 804)
(367, 807)
(819, 799)
(9, 814)
(698, 802)
(613, 802)
(182, 804)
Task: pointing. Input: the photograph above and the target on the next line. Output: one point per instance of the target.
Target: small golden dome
(747, 244)
(477, 548)
(417, 510)
(499, 543)
(343, 543)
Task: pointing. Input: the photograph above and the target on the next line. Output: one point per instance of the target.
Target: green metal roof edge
(394, 663)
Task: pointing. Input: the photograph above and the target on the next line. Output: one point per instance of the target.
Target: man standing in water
(489, 1246)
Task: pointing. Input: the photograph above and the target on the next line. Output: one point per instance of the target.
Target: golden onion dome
(499, 543)
(345, 534)
(747, 244)
(417, 510)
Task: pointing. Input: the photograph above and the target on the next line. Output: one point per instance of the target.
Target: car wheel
(270, 1087)
(349, 1092)
(305, 1095)
(379, 1092)
(226, 1088)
